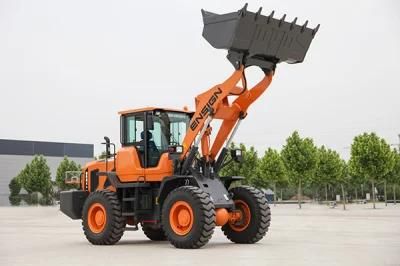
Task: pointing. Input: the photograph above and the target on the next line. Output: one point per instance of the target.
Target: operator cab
(153, 131)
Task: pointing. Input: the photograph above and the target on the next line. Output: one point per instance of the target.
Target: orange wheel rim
(245, 216)
(97, 218)
(181, 218)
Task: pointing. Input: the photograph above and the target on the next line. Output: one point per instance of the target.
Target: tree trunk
(394, 194)
(362, 191)
(282, 194)
(356, 193)
(299, 194)
(326, 192)
(344, 198)
(274, 194)
(384, 187)
(373, 193)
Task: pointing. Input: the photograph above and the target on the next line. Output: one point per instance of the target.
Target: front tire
(102, 220)
(188, 217)
(255, 216)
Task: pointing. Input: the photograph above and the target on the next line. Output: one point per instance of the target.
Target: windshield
(169, 129)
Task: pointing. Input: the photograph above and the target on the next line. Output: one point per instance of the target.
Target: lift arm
(214, 104)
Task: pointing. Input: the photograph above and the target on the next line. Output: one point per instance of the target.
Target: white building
(15, 154)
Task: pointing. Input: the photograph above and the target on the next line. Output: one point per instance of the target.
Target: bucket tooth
(282, 20)
(304, 26)
(315, 30)
(253, 39)
(270, 16)
(293, 23)
(258, 13)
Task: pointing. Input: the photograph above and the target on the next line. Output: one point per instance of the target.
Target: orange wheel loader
(165, 175)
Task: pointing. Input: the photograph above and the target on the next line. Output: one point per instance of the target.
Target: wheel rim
(97, 218)
(245, 216)
(181, 218)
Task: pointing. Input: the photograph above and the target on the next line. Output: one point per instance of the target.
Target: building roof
(129, 111)
(56, 149)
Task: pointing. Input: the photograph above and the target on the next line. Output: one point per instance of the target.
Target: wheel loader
(165, 177)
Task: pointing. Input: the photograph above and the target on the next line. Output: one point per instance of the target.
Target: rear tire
(256, 216)
(154, 233)
(188, 217)
(102, 220)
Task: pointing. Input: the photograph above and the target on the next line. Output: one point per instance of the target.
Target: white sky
(68, 67)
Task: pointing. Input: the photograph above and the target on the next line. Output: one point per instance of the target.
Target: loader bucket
(255, 39)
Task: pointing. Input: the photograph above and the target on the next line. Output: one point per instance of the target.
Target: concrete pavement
(315, 235)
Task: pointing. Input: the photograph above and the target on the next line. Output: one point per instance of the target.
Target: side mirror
(174, 152)
(177, 149)
(237, 155)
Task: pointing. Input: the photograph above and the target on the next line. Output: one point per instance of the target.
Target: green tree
(343, 180)
(24, 175)
(64, 166)
(393, 177)
(357, 181)
(15, 200)
(300, 158)
(372, 158)
(329, 168)
(247, 168)
(15, 188)
(272, 171)
(38, 178)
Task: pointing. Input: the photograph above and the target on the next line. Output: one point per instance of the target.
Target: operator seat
(153, 152)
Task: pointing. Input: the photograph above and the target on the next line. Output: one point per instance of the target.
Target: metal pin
(258, 13)
(315, 30)
(293, 23)
(304, 26)
(270, 16)
(282, 20)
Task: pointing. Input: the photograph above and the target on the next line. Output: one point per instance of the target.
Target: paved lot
(315, 235)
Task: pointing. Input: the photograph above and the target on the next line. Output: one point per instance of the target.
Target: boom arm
(214, 104)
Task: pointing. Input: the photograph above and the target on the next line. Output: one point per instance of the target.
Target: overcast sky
(68, 67)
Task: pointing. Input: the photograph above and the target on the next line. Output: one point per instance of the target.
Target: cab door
(157, 163)
(130, 163)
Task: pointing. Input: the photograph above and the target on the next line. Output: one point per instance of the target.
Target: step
(128, 199)
(128, 214)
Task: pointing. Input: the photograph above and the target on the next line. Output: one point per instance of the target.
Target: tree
(271, 171)
(247, 168)
(393, 177)
(300, 159)
(357, 181)
(24, 175)
(64, 166)
(15, 188)
(38, 177)
(372, 158)
(343, 180)
(329, 168)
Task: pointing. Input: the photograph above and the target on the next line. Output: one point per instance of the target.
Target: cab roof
(144, 109)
